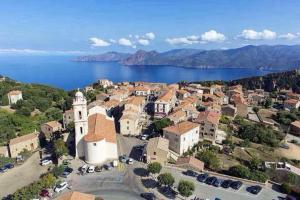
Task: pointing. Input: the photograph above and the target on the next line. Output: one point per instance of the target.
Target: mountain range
(264, 57)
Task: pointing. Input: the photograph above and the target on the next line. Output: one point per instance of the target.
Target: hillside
(266, 57)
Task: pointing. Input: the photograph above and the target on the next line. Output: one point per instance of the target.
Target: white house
(95, 134)
(182, 136)
(164, 104)
(14, 96)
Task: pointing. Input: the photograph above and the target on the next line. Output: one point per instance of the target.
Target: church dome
(78, 94)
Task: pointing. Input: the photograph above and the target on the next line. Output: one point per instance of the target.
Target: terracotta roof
(111, 103)
(182, 92)
(99, 128)
(141, 88)
(136, 100)
(23, 138)
(291, 101)
(73, 195)
(158, 143)
(53, 124)
(296, 123)
(181, 127)
(15, 92)
(209, 115)
(177, 114)
(237, 98)
(191, 161)
(166, 96)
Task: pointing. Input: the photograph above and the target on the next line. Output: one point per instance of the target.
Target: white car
(91, 169)
(144, 137)
(60, 187)
(84, 168)
(130, 161)
(46, 162)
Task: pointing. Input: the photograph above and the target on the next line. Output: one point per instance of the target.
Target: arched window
(80, 115)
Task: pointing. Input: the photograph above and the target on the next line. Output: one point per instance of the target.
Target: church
(95, 133)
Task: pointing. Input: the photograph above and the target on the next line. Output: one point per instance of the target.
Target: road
(21, 176)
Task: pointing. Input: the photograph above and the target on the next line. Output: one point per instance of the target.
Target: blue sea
(62, 72)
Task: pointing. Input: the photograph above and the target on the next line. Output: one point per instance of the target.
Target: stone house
(68, 117)
(50, 127)
(29, 142)
(157, 150)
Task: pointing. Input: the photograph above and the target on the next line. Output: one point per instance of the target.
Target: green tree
(254, 163)
(291, 178)
(186, 188)
(48, 180)
(54, 114)
(256, 109)
(154, 168)
(166, 179)
(60, 148)
(268, 103)
(58, 170)
(159, 124)
(240, 171)
(286, 188)
(210, 159)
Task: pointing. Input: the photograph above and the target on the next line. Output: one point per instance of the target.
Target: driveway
(21, 176)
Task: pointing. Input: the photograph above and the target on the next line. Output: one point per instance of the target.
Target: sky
(97, 26)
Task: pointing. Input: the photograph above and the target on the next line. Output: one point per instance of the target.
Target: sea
(63, 72)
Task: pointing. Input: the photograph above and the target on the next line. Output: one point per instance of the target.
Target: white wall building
(14, 96)
(95, 135)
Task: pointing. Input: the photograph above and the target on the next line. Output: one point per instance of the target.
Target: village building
(177, 116)
(242, 110)
(68, 117)
(88, 88)
(95, 134)
(49, 128)
(14, 96)
(182, 94)
(191, 163)
(295, 128)
(182, 136)
(157, 150)
(141, 91)
(164, 104)
(291, 104)
(105, 83)
(209, 122)
(229, 110)
(74, 195)
(102, 96)
(30, 142)
(4, 151)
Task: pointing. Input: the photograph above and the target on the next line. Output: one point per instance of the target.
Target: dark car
(169, 192)
(9, 166)
(202, 177)
(226, 183)
(190, 173)
(148, 196)
(68, 169)
(210, 180)
(98, 169)
(254, 189)
(236, 185)
(44, 193)
(217, 182)
(3, 169)
(107, 166)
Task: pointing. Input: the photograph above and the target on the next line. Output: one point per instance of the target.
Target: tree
(186, 188)
(254, 163)
(255, 109)
(154, 168)
(58, 170)
(240, 171)
(210, 159)
(60, 148)
(286, 188)
(268, 103)
(159, 124)
(166, 179)
(48, 180)
(291, 178)
(54, 114)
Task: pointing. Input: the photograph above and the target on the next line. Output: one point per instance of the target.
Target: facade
(182, 94)
(190, 162)
(105, 83)
(157, 150)
(68, 117)
(295, 128)
(208, 121)
(142, 91)
(95, 134)
(229, 110)
(14, 96)
(29, 142)
(242, 110)
(182, 136)
(164, 104)
(50, 127)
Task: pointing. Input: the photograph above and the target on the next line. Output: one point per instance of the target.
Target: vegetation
(60, 148)
(31, 191)
(286, 188)
(58, 170)
(244, 172)
(5, 160)
(186, 188)
(154, 168)
(166, 179)
(159, 124)
(210, 159)
(287, 117)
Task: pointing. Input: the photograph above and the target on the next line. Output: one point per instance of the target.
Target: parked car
(115, 163)
(144, 137)
(123, 158)
(9, 166)
(130, 161)
(148, 196)
(217, 182)
(46, 161)
(68, 169)
(91, 169)
(254, 189)
(60, 187)
(202, 177)
(190, 173)
(107, 166)
(169, 192)
(210, 180)
(236, 185)
(98, 169)
(44, 193)
(65, 174)
(226, 183)
(3, 169)
(84, 168)
(140, 147)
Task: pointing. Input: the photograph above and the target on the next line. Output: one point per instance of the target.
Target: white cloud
(112, 41)
(150, 36)
(290, 36)
(143, 42)
(40, 52)
(181, 40)
(97, 42)
(213, 36)
(125, 42)
(250, 34)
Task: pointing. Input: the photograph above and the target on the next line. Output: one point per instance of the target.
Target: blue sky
(90, 26)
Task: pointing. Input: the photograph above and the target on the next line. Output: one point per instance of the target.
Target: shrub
(286, 188)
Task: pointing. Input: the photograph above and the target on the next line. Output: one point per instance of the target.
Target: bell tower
(80, 121)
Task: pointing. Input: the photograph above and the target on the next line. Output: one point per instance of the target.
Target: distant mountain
(106, 57)
(264, 57)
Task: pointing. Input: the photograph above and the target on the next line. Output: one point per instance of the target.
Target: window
(127, 127)
(80, 115)
(81, 130)
(154, 153)
(127, 122)
(95, 144)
